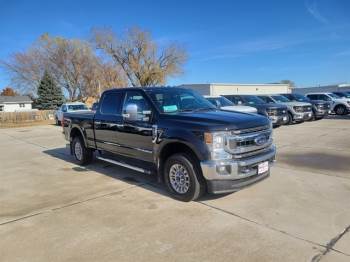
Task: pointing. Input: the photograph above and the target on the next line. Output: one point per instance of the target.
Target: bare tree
(288, 82)
(72, 63)
(143, 63)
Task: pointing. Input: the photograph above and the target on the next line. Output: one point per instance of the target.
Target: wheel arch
(176, 148)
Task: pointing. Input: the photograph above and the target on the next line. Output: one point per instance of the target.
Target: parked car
(340, 106)
(176, 134)
(276, 113)
(320, 108)
(297, 111)
(68, 107)
(223, 103)
(342, 94)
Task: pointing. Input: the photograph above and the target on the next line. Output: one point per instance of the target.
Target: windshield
(253, 100)
(179, 100)
(300, 98)
(220, 101)
(346, 95)
(333, 95)
(281, 99)
(77, 107)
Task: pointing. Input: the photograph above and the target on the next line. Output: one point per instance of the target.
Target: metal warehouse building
(216, 89)
(323, 89)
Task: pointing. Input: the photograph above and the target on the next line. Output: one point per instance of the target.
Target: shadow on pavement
(336, 117)
(317, 161)
(148, 182)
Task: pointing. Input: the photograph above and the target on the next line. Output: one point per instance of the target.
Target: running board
(124, 165)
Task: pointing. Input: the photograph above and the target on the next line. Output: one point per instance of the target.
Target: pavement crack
(262, 225)
(68, 205)
(329, 246)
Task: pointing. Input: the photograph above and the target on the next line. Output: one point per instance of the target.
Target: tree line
(84, 68)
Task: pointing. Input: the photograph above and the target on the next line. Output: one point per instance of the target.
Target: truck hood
(295, 103)
(214, 120)
(244, 109)
(342, 100)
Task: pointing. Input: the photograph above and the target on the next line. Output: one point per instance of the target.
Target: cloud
(312, 8)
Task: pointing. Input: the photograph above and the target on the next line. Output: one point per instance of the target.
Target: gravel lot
(53, 210)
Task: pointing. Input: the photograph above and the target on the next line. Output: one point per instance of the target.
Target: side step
(138, 169)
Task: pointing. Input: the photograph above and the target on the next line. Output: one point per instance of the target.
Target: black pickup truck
(177, 135)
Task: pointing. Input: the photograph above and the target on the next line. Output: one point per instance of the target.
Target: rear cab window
(112, 103)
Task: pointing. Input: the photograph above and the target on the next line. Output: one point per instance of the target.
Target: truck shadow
(148, 182)
(316, 161)
(336, 117)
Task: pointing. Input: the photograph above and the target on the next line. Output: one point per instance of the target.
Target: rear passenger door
(109, 121)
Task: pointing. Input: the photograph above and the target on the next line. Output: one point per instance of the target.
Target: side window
(136, 108)
(324, 98)
(312, 97)
(111, 103)
(64, 108)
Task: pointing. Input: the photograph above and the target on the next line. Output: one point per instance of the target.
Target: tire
(290, 119)
(183, 178)
(82, 154)
(340, 110)
(58, 123)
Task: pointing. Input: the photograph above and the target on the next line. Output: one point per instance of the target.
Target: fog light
(223, 169)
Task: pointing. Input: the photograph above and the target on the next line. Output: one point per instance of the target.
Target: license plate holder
(263, 167)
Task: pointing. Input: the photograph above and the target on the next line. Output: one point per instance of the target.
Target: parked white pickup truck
(69, 107)
(224, 104)
(339, 105)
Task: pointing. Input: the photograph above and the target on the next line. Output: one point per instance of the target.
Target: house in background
(15, 103)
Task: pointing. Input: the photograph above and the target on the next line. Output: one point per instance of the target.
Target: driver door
(136, 137)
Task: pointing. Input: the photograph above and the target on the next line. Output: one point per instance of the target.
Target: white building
(215, 89)
(15, 103)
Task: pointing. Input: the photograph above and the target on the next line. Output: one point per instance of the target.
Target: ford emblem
(260, 140)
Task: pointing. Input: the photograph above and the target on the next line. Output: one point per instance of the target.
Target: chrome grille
(306, 108)
(276, 112)
(248, 142)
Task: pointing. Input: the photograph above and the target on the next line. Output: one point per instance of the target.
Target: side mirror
(131, 112)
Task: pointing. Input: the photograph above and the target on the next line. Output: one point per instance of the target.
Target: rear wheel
(340, 110)
(182, 178)
(82, 154)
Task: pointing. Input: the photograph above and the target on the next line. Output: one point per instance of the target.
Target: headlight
(348, 102)
(216, 144)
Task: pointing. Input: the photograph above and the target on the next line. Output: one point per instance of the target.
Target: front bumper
(300, 117)
(321, 113)
(278, 120)
(237, 173)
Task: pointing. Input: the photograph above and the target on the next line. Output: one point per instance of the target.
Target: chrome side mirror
(131, 112)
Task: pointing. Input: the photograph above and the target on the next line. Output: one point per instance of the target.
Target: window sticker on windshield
(171, 108)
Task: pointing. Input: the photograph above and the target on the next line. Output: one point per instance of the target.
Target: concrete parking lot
(53, 210)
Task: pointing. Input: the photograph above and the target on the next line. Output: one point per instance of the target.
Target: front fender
(190, 139)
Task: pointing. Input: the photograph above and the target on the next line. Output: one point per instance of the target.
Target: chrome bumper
(235, 169)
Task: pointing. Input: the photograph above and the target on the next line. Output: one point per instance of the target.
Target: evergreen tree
(49, 94)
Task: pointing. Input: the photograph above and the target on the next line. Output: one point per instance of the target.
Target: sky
(248, 41)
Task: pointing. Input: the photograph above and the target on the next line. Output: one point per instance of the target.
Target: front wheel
(340, 110)
(290, 118)
(82, 154)
(182, 178)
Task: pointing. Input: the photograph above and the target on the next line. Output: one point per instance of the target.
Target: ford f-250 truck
(176, 134)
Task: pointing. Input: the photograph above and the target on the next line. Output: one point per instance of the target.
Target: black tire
(85, 156)
(196, 186)
(340, 110)
(58, 123)
(290, 119)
